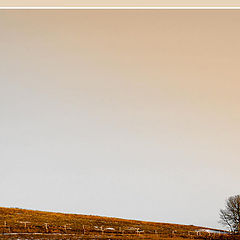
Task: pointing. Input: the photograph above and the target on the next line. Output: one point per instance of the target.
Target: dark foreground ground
(108, 237)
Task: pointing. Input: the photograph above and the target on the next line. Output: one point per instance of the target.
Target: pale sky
(122, 3)
(125, 113)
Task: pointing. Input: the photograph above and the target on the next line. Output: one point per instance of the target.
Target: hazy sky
(124, 113)
(160, 3)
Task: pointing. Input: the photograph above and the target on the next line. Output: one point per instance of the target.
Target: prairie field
(19, 224)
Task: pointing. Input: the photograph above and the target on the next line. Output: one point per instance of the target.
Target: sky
(125, 113)
(123, 3)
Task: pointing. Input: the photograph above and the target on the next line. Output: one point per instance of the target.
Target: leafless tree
(230, 216)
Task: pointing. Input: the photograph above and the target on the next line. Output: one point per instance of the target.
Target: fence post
(102, 229)
(46, 227)
(65, 228)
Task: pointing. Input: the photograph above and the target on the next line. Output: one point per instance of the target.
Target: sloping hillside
(20, 223)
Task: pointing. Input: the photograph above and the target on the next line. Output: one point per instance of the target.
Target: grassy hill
(18, 223)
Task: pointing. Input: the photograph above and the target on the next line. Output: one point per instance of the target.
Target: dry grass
(28, 224)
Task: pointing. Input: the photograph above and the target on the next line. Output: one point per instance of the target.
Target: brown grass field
(19, 224)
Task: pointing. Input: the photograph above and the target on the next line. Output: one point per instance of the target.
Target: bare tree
(230, 216)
